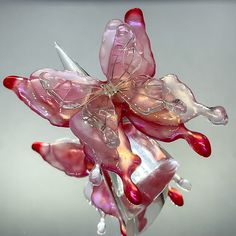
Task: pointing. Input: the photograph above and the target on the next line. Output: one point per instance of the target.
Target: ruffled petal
(180, 100)
(65, 154)
(167, 101)
(54, 95)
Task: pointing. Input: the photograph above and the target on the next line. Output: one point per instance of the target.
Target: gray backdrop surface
(195, 40)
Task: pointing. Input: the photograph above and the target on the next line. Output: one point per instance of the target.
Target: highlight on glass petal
(118, 125)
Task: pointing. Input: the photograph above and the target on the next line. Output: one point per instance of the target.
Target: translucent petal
(167, 101)
(107, 44)
(96, 127)
(102, 198)
(181, 101)
(65, 154)
(170, 133)
(54, 95)
(101, 115)
(144, 95)
(125, 49)
(135, 19)
(68, 88)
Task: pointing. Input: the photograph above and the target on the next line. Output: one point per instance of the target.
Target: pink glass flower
(117, 123)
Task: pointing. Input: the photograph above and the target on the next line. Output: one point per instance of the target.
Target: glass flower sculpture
(117, 124)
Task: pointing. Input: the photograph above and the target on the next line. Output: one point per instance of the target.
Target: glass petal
(66, 155)
(167, 101)
(135, 19)
(54, 95)
(125, 50)
(180, 100)
(170, 133)
(105, 143)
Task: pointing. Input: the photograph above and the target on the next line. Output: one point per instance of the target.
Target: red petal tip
(134, 14)
(202, 145)
(10, 81)
(176, 197)
(133, 195)
(134, 11)
(207, 154)
(37, 146)
(199, 142)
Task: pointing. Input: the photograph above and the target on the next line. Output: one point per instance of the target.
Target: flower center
(109, 89)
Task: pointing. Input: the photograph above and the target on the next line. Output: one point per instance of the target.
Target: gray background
(195, 40)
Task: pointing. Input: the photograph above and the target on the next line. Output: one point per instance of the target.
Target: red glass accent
(176, 197)
(36, 146)
(10, 81)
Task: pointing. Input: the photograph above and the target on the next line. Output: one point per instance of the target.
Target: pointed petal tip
(36, 146)
(10, 81)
